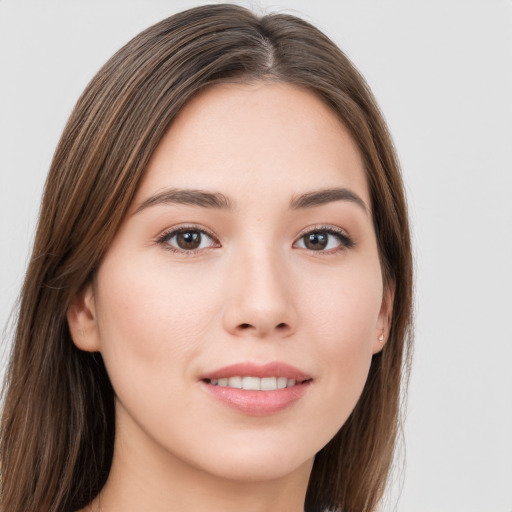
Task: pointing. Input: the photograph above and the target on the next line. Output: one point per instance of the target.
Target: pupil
(316, 241)
(189, 240)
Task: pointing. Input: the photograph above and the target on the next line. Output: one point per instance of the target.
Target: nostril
(282, 327)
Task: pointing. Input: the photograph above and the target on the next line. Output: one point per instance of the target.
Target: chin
(258, 458)
(260, 469)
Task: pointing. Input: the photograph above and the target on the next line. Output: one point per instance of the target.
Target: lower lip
(258, 403)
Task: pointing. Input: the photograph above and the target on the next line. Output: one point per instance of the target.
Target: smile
(254, 383)
(257, 389)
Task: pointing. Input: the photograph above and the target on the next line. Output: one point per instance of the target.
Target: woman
(216, 309)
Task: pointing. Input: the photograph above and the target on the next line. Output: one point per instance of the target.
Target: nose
(260, 302)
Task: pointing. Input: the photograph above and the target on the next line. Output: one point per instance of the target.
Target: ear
(384, 320)
(82, 320)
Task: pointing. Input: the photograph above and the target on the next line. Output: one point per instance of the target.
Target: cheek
(344, 307)
(342, 320)
(149, 319)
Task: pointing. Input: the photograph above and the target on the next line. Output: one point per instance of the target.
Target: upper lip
(274, 369)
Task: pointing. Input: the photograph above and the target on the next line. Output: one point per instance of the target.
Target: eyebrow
(188, 196)
(217, 200)
(328, 195)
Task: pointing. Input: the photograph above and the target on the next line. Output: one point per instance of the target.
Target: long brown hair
(57, 427)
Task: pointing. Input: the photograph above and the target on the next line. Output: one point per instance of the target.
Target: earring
(381, 338)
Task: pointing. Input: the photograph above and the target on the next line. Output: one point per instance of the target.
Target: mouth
(257, 377)
(257, 390)
(252, 383)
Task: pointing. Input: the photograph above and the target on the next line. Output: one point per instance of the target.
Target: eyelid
(344, 238)
(169, 233)
(346, 241)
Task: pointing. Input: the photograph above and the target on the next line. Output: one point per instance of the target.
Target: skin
(253, 292)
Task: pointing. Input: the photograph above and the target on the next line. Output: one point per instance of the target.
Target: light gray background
(442, 72)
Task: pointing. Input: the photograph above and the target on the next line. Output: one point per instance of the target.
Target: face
(240, 303)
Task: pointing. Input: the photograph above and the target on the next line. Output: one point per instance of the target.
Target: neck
(145, 478)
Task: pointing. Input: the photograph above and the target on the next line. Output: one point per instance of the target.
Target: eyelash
(165, 237)
(345, 241)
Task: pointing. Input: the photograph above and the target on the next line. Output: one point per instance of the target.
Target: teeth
(281, 382)
(268, 383)
(255, 383)
(252, 383)
(235, 382)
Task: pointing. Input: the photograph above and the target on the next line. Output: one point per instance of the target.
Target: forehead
(261, 136)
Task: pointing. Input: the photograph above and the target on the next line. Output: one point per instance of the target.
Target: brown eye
(326, 240)
(187, 240)
(316, 241)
